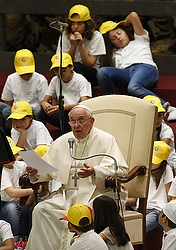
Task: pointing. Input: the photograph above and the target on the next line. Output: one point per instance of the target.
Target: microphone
(59, 23)
(71, 141)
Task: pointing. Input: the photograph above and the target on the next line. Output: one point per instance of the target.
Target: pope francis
(82, 180)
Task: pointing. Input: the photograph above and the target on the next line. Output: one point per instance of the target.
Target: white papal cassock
(48, 232)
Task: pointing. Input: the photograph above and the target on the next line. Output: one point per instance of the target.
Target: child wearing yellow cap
(75, 88)
(128, 62)
(27, 132)
(163, 131)
(11, 192)
(24, 84)
(160, 181)
(83, 42)
(79, 218)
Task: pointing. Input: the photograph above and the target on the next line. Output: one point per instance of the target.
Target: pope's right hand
(31, 171)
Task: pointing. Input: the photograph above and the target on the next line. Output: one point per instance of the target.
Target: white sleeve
(7, 94)
(51, 90)
(42, 87)
(6, 179)
(5, 231)
(172, 190)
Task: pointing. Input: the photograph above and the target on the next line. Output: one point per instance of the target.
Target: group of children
(129, 65)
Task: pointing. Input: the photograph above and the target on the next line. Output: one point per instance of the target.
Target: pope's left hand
(86, 172)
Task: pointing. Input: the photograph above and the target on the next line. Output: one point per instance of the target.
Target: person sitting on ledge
(129, 60)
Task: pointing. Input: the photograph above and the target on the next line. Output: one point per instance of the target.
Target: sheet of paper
(33, 160)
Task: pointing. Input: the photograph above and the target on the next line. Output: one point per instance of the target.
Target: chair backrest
(132, 121)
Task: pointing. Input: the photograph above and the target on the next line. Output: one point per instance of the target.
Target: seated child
(11, 192)
(27, 132)
(167, 219)
(79, 219)
(160, 181)
(109, 224)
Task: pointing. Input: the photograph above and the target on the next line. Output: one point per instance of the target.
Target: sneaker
(171, 114)
(20, 245)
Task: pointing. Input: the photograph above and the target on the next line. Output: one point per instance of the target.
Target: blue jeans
(10, 213)
(137, 80)
(152, 219)
(54, 119)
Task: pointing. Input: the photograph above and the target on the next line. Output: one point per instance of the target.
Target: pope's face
(83, 122)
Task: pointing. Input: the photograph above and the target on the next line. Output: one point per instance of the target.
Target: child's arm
(103, 236)
(21, 139)
(8, 244)
(18, 192)
(167, 187)
(134, 19)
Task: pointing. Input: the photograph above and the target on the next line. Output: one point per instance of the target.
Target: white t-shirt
(10, 178)
(112, 242)
(32, 91)
(169, 242)
(137, 51)
(5, 231)
(167, 132)
(36, 134)
(172, 190)
(158, 196)
(72, 90)
(89, 241)
(95, 46)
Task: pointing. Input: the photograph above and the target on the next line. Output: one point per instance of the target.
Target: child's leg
(10, 213)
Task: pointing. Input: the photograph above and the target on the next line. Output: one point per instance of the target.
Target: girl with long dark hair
(109, 224)
(129, 62)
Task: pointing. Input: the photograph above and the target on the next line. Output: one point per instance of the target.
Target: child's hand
(31, 171)
(73, 239)
(73, 40)
(20, 129)
(53, 109)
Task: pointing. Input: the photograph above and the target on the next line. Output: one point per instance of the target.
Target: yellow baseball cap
(161, 151)
(41, 150)
(14, 148)
(24, 62)
(76, 213)
(110, 25)
(66, 60)
(156, 101)
(20, 110)
(82, 11)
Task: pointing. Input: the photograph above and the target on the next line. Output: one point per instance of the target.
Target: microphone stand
(116, 189)
(61, 97)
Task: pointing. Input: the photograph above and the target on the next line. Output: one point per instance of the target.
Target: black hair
(106, 214)
(110, 48)
(90, 27)
(170, 223)
(159, 172)
(84, 225)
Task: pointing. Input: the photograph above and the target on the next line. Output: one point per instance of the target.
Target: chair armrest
(136, 171)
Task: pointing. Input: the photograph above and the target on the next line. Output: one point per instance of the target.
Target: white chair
(132, 121)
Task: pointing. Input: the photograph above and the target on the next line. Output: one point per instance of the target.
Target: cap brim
(156, 160)
(16, 116)
(64, 218)
(104, 30)
(25, 69)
